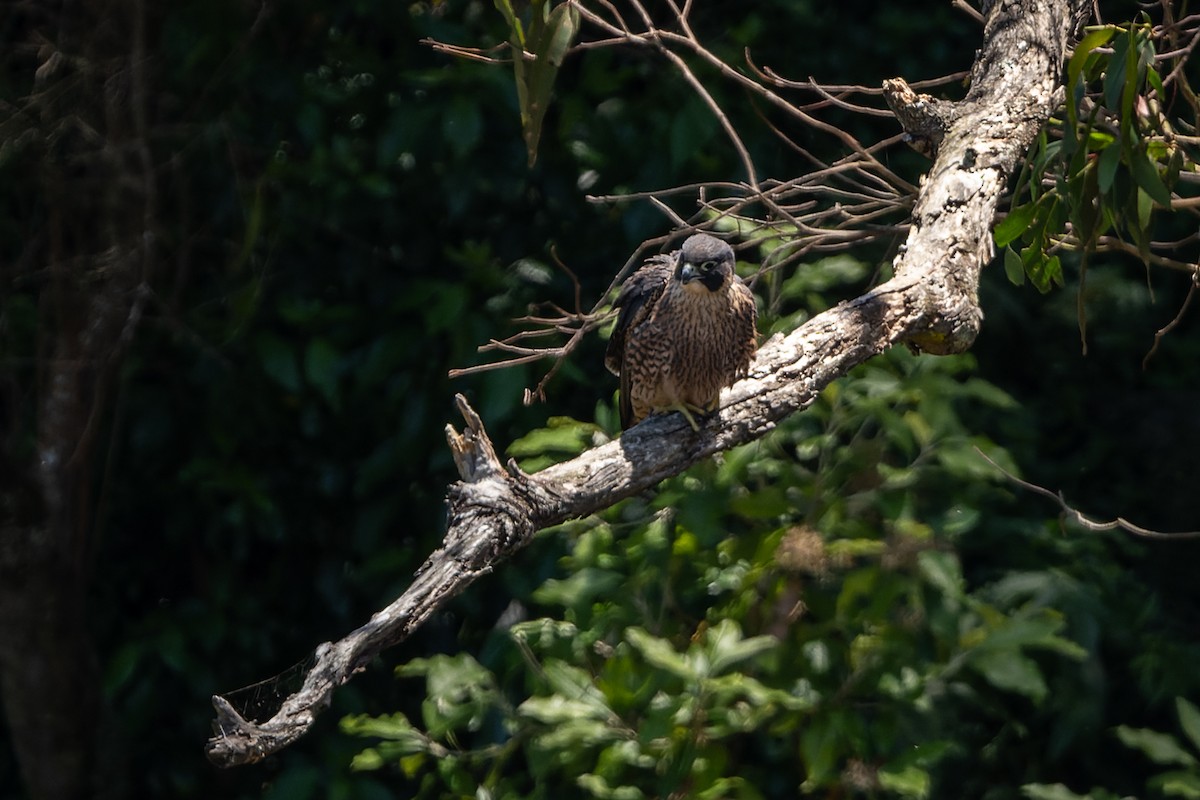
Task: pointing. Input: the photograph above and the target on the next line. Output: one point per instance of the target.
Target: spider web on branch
(260, 701)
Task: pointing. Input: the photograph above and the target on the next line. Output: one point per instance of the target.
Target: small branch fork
(495, 509)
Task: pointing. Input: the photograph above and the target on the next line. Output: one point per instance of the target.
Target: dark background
(344, 214)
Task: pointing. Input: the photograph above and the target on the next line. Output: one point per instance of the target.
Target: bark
(931, 304)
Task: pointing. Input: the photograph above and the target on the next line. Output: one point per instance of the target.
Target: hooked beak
(688, 273)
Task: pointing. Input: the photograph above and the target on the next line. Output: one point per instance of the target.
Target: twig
(1170, 326)
(1083, 520)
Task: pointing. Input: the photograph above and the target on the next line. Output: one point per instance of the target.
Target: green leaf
(556, 709)
(819, 751)
(279, 361)
(1045, 272)
(322, 365)
(549, 47)
(573, 734)
(1189, 720)
(1161, 748)
(462, 126)
(1106, 168)
(1010, 671)
(659, 653)
(1177, 783)
(562, 435)
(1145, 172)
(1155, 80)
(597, 786)
(1051, 791)
(942, 571)
(1016, 223)
(909, 781)
(586, 585)
(727, 647)
(573, 683)
(1093, 39)
(516, 32)
(393, 728)
(1013, 268)
(1114, 76)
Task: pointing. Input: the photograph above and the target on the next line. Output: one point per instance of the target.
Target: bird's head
(705, 264)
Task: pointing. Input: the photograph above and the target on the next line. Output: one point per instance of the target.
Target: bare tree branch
(1082, 519)
(931, 303)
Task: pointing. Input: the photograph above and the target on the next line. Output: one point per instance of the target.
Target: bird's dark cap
(701, 247)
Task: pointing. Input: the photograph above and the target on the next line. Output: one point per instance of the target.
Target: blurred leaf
(660, 653)
(1011, 671)
(573, 683)
(726, 647)
(392, 727)
(279, 361)
(1177, 784)
(322, 366)
(943, 571)
(596, 786)
(1189, 720)
(1160, 748)
(909, 781)
(1056, 791)
(462, 125)
(585, 586)
(556, 709)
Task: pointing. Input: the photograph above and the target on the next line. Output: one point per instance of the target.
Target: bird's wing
(746, 311)
(637, 299)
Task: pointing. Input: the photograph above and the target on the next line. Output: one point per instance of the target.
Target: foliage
(1097, 176)
(792, 618)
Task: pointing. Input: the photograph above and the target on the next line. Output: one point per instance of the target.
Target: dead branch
(1082, 519)
(931, 302)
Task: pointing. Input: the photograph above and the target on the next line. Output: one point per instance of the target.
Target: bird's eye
(708, 266)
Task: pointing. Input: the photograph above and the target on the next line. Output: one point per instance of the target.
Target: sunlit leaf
(660, 653)
(727, 647)
(556, 709)
(1016, 223)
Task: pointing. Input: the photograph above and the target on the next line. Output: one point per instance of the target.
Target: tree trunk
(86, 120)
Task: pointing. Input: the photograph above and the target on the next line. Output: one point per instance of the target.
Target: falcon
(685, 331)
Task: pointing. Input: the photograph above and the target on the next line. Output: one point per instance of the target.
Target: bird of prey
(684, 332)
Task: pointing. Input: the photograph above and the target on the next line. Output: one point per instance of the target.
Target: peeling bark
(931, 304)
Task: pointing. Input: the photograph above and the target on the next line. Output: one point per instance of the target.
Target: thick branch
(494, 510)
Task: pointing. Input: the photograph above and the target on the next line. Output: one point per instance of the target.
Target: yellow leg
(687, 410)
